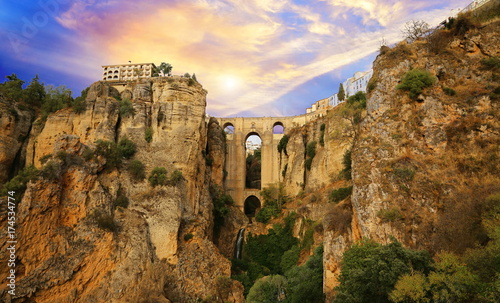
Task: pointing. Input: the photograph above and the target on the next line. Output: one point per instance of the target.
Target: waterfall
(239, 244)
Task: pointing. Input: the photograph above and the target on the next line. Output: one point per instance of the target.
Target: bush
(121, 199)
(282, 144)
(105, 221)
(110, 152)
(322, 134)
(390, 215)
(345, 173)
(158, 176)
(310, 152)
(52, 170)
(370, 270)
(148, 134)
(415, 81)
(188, 237)
(305, 283)
(449, 91)
(137, 170)
(126, 108)
(19, 182)
(175, 177)
(126, 148)
(221, 201)
(491, 63)
(339, 194)
(79, 105)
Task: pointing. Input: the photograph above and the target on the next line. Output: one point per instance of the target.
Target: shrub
(158, 176)
(339, 194)
(390, 215)
(87, 154)
(345, 173)
(19, 182)
(105, 221)
(221, 201)
(148, 134)
(45, 158)
(415, 81)
(285, 168)
(322, 134)
(137, 170)
(188, 237)
(121, 199)
(51, 171)
(290, 258)
(310, 152)
(282, 144)
(126, 108)
(175, 177)
(305, 283)
(449, 91)
(404, 174)
(79, 105)
(110, 152)
(491, 62)
(126, 148)
(370, 270)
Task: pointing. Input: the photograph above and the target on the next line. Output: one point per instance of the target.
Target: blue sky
(255, 57)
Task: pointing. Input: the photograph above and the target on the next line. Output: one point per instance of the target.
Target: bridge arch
(278, 128)
(251, 206)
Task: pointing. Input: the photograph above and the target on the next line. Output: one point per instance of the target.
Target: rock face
(15, 125)
(79, 245)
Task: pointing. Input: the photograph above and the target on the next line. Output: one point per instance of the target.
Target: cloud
(245, 53)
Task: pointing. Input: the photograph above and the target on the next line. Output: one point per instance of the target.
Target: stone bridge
(236, 153)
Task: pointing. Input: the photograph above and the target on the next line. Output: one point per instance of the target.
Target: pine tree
(341, 93)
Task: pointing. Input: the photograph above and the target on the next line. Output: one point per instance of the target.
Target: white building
(127, 72)
(357, 83)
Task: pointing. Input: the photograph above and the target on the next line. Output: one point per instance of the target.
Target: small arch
(251, 206)
(116, 71)
(228, 128)
(278, 128)
(115, 77)
(253, 175)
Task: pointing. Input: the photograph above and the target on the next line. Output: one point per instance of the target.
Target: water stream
(239, 244)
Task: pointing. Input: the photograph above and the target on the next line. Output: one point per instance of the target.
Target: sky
(254, 57)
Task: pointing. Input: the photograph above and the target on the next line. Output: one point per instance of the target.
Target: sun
(230, 83)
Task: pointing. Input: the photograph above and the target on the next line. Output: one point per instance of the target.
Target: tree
(165, 69)
(268, 290)
(35, 93)
(56, 98)
(415, 30)
(415, 81)
(13, 88)
(341, 93)
(370, 270)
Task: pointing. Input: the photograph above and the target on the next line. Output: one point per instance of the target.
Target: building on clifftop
(128, 72)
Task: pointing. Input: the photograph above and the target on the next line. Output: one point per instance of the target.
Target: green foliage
(137, 170)
(322, 134)
(52, 170)
(105, 221)
(372, 84)
(110, 152)
(404, 174)
(305, 283)
(341, 93)
(370, 270)
(158, 176)
(221, 210)
(268, 290)
(310, 152)
(13, 88)
(390, 215)
(175, 178)
(347, 163)
(359, 100)
(121, 199)
(339, 194)
(274, 197)
(450, 281)
(191, 82)
(187, 75)
(35, 94)
(165, 68)
(19, 182)
(56, 98)
(267, 250)
(290, 258)
(79, 105)
(148, 134)
(492, 63)
(126, 148)
(449, 91)
(126, 108)
(282, 144)
(415, 81)
(188, 237)
(285, 168)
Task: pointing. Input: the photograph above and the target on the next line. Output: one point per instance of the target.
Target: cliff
(81, 242)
